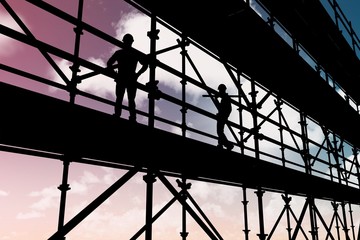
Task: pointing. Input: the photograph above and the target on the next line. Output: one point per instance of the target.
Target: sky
(29, 197)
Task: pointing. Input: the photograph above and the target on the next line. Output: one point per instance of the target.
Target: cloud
(109, 176)
(217, 192)
(138, 25)
(89, 178)
(105, 222)
(86, 181)
(49, 198)
(3, 193)
(29, 215)
(178, 131)
(99, 85)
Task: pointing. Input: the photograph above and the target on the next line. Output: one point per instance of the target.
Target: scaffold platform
(41, 125)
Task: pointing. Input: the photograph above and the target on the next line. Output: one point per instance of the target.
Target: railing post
(75, 67)
(278, 103)
(254, 113)
(336, 157)
(240, 110)
(357, 165)
(183, 84)
(153, 35)
(305, 153)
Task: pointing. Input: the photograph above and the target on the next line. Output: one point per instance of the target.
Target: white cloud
(89, 177)
(103, 223)
(221, 193)
(138, 25)
(213, 208)
(109, 177)
(86, 180)
(49, 198)
(99, 85)
(3, 193)
(30, 215)
(201, 189)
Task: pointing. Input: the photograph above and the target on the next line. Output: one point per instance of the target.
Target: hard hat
(221, 87)
(128, 38)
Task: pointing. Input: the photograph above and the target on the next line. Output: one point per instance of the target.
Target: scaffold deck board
(39, 122)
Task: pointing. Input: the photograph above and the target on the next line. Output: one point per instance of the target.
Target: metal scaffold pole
(64, 187)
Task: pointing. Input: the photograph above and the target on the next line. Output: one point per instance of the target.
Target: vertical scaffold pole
(344, 164)
(356, 163)
(287, 201)
(149, 179)
(278, 104)
(184, 189)
(329, 152)
(260, 193)
(304, 137)
(183, 84)
(75, 67)
(345, 224)
(352, 221)
(336, 157)
(246, 223)
(153, 35)
(313, 222)
(254, 113)
(335, 209)
(240, 110)
(64, 187)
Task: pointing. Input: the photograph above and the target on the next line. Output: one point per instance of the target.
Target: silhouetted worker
(224, 110)
(126, 75)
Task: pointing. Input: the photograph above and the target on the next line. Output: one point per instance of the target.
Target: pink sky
(29, 197)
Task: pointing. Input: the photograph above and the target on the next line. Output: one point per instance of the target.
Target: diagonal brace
(93, 205)
(187, 207)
